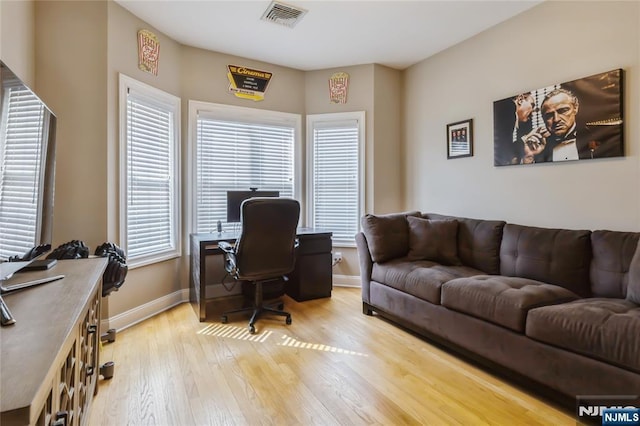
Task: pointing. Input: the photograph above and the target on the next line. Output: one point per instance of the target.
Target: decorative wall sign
(578, 120)
(338, 88)
(247, 83)
(148, 51)
(460, 139)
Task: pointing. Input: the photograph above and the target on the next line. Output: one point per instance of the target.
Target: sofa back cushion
(387, 235)
(633, 290)
(435, 240)
(612, 253)
(554, 256)
(478, 242)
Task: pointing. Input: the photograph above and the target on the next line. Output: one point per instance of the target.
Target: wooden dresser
(49, 359)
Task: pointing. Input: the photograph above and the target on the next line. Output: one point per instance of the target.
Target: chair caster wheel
(224, 319)
(288, 320)
(252, 329)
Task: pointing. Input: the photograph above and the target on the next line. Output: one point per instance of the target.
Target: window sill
(344, 244)
(150, 260)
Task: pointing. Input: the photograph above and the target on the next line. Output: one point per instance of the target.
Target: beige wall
(17, 45)
(386, 158)
(462, 82)
(205, 79)
(71, 62)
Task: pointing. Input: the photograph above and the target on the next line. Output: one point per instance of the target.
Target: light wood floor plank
(331, 366)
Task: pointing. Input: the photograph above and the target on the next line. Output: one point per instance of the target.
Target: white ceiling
(332, 34)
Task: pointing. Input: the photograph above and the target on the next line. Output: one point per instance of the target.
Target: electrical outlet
(337, 257)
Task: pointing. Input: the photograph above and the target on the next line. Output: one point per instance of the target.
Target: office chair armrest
(226, 247)
(228, 250)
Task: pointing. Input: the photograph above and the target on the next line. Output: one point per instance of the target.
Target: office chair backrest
(266, 247)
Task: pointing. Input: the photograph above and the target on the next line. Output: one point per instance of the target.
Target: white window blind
(234, 154)
(151, 173)
(22, 125)
(336, 174)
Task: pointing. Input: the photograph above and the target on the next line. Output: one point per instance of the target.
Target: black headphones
(116, 270)
(71, 250)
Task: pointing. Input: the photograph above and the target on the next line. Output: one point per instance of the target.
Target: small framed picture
(460, 139)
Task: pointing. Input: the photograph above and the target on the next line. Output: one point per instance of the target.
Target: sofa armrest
(366, 265)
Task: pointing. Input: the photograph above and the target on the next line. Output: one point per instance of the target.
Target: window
(23, 149)
(239, 148)
(149, 173)
(336, 173)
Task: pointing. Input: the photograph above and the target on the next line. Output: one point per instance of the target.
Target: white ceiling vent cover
(283, 14)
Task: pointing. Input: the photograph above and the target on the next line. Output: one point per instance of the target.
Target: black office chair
(265, 250)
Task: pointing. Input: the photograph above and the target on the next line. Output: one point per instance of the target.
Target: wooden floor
(331, 366)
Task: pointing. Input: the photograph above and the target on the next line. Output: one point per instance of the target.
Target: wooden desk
(312, 277)
(49, 359)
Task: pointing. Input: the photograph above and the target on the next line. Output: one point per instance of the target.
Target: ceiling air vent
(283, 14)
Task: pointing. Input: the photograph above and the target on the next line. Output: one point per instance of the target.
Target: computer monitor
(235, 199)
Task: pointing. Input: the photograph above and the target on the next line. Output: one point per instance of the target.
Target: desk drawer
(312, 278)
(313, 245)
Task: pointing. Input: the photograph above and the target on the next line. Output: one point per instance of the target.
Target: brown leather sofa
(549, 308)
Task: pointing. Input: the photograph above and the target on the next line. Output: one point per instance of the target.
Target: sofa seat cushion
(420, 278)
(502, 300)
(606, 329)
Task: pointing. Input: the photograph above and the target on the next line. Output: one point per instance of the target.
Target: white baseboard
(346, 280)
(154, 307)
(142, 312)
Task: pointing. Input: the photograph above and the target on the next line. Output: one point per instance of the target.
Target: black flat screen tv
(27, 172)
(235, 199)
